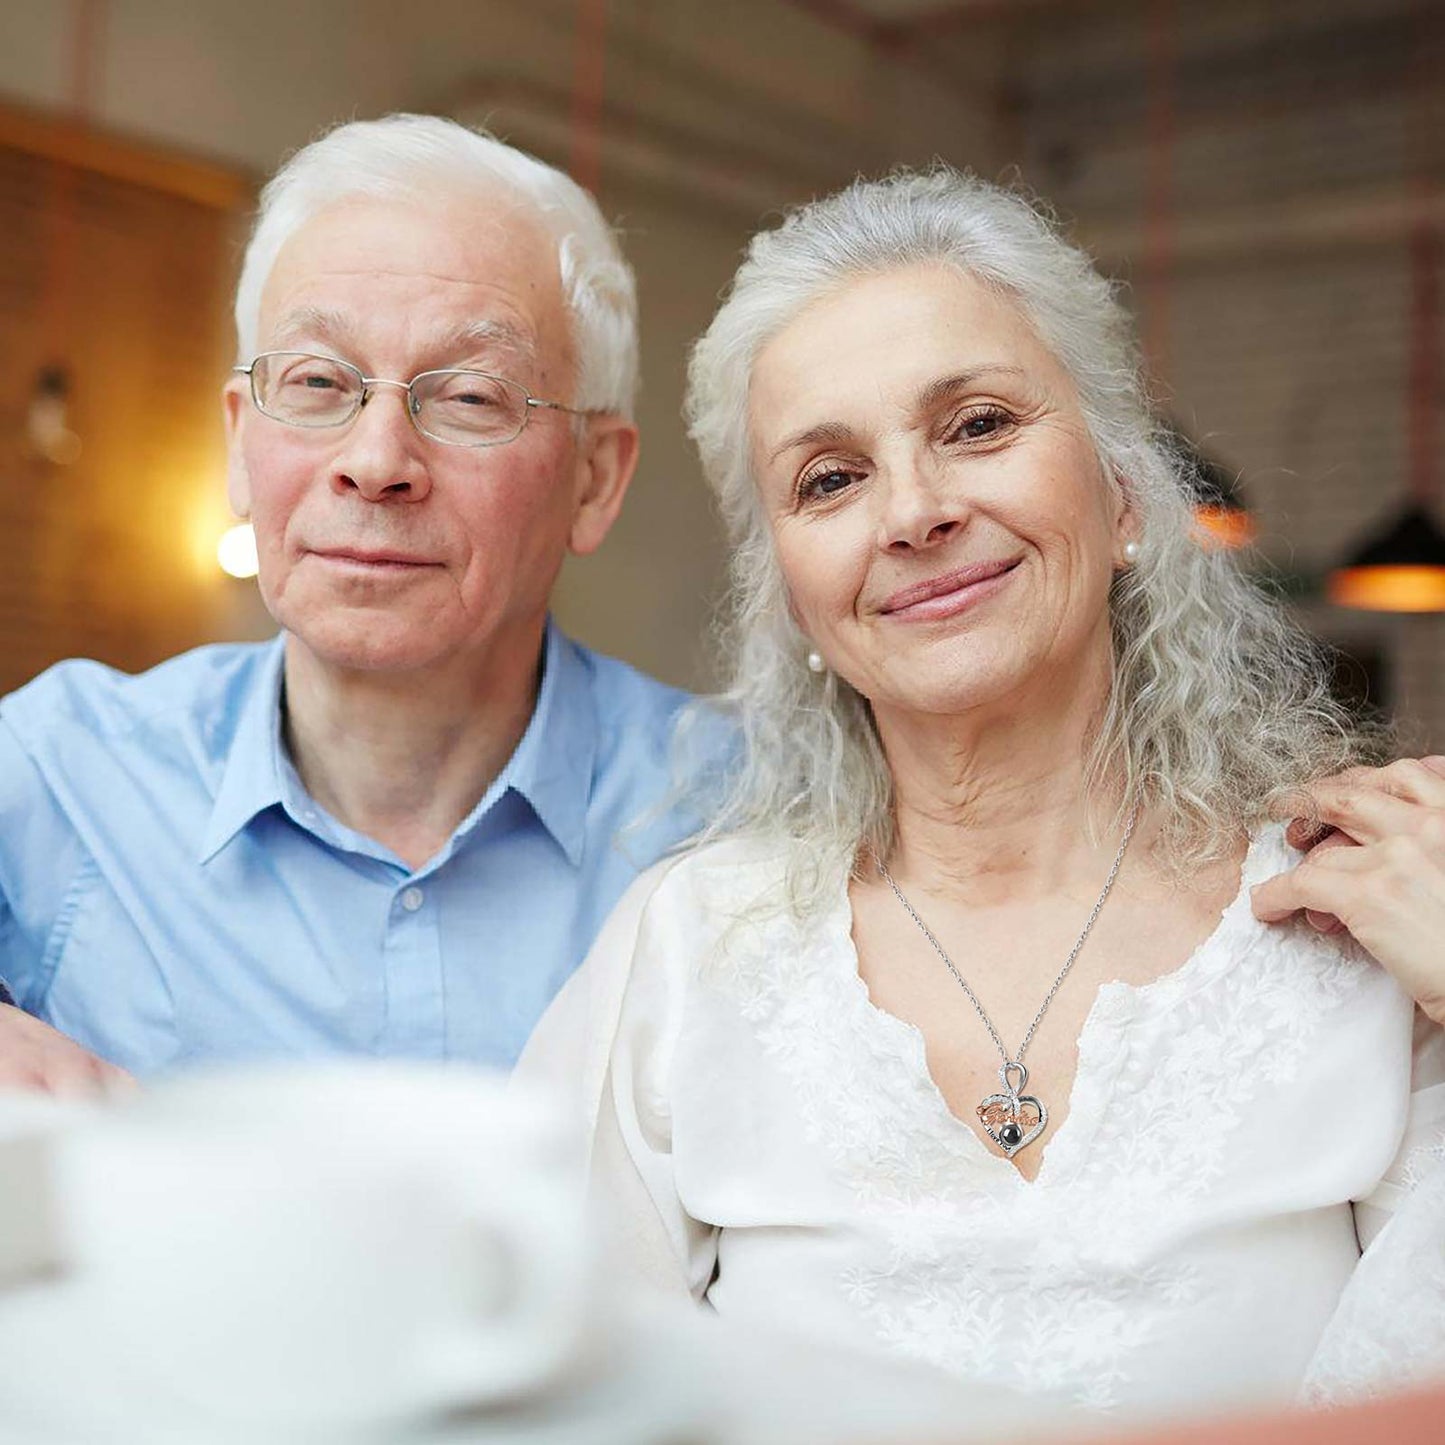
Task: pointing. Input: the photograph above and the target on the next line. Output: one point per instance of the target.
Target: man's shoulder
(202, 684)
(626, 696)
(634, 718)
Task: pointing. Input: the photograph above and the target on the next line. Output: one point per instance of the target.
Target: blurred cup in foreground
(323, 1248)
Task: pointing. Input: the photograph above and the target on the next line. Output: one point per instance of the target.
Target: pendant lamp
(1221, 518)
(1401, 567)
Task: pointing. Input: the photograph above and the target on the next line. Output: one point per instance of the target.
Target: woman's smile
(940, 514)
(951, 593)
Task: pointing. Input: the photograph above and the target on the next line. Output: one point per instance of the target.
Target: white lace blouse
(771, 1141)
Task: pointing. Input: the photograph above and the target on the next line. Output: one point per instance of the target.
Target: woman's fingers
(1364, 811)
(1370, 804)
(1389, 895)
(1303, 834)
(1415, 780)
(1317, 919)
(1323, 883)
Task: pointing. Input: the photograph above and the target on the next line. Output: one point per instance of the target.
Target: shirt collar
(251, 780)
(551, 767)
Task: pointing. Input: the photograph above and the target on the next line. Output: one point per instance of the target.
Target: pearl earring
(816, 663)
(1131, 551)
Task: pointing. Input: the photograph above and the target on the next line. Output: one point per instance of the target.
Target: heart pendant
(1013, 1119)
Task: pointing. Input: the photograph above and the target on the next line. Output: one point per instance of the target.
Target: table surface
(671, 1373)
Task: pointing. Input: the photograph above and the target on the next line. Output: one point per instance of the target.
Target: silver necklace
(1014, 1119)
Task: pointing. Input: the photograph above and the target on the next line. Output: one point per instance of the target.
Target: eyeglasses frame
(412, 406)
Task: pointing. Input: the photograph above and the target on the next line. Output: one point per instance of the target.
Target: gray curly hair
(1219, 704)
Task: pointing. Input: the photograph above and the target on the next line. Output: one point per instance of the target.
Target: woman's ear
(1127, 528)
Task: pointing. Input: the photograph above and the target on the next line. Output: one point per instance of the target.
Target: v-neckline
(1115, 1003)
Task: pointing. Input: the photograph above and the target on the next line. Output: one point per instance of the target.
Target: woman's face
(943, 523)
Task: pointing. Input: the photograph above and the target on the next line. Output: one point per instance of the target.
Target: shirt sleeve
(1423, 1142)
(608, 1044)
(1388, 1331)
(40, 855)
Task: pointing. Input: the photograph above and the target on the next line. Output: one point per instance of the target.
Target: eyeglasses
(460, 408)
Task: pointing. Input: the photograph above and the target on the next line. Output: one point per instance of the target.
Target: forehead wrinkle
(831, 433)
(487, 333)
(945, 386)
(318, 321)
(332, 328)
(828, 433)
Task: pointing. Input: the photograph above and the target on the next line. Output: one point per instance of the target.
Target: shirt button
(411, 899)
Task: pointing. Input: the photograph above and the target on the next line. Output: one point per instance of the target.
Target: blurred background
(1265, 176)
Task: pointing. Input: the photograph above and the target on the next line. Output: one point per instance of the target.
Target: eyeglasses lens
(305, 390)
(466, 408)
(469, 408)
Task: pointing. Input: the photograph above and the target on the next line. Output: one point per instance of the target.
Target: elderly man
(394, 830)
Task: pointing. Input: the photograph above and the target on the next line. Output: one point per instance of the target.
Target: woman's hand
(1381, 875)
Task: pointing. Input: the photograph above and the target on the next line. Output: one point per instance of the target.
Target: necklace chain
(1063, 972)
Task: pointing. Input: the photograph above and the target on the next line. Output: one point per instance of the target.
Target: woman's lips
(949, 594)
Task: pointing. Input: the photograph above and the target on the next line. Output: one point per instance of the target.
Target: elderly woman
(958, 1032)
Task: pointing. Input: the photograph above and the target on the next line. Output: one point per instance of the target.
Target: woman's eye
(978, 426)
(825, 483)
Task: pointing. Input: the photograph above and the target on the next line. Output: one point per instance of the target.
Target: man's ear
(606, 460)
(238, 481)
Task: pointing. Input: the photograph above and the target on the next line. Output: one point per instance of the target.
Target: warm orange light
(1230, 527)
(1389, 589)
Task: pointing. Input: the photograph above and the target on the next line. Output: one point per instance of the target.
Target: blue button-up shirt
(170, 894)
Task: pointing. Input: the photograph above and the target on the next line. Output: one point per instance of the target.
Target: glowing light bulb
(236, 551)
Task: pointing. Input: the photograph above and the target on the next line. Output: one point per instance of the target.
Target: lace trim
(963, 1238)
(1388, 1332)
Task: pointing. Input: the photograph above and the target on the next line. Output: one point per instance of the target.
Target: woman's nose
(918, 506)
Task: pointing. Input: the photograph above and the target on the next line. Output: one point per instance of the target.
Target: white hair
(1219, 704)
(408, 157)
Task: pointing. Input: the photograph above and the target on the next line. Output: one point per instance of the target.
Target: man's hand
(1380, 874)
(35, 1056)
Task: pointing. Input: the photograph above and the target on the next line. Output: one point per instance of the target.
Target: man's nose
(382, 456)
(917, 506)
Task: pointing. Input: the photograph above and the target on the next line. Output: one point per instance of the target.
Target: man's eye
(318, 380)
(472, 394)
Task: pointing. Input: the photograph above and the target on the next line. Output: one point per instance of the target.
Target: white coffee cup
(30, 1246)
(355, 1245)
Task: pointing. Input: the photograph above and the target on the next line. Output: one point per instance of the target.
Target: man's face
(380, 548)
